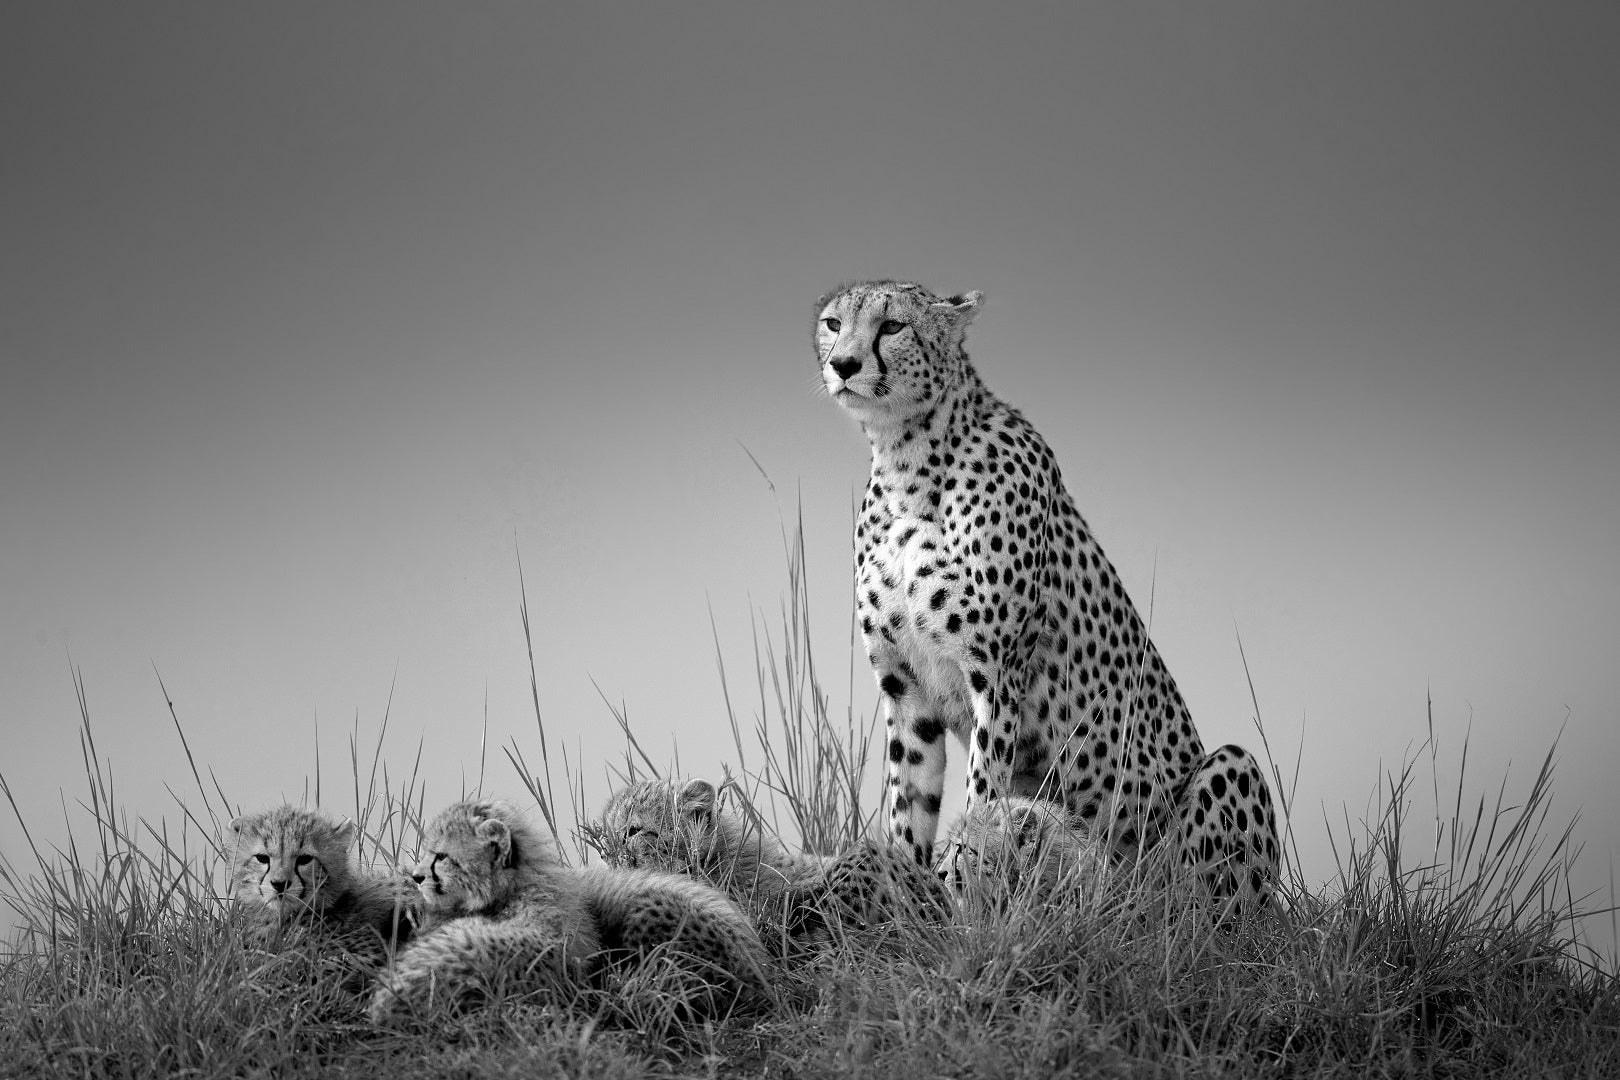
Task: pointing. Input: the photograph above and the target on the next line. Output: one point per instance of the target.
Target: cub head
(888, 350)
(1003, 846)
(662, 825)
(291, 861)
(476, 855)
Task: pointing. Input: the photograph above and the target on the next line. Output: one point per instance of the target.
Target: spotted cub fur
(684, 828)
(990, 613)
(510, 918)
(294, 868)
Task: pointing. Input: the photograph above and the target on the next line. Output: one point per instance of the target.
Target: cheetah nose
(847, 366)
(419, 878)
(279, 886)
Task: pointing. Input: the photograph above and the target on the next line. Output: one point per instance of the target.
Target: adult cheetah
(989, 611)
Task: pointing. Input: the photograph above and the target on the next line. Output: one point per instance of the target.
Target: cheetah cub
(990, 613)
(510, 918)
(683, 828)
(1020, 849)
(293, 868)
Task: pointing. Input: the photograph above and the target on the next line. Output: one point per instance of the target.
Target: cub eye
(261, 858)
(889, 326)
(304, 860)
(832, 324)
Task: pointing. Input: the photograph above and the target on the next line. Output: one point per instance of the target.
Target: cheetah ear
(239, 825)
(493, 831)
(1026, 825)
(696, 800)
(344, 833)
(959, 309)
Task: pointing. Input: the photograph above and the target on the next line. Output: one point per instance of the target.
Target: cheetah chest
(907, 596)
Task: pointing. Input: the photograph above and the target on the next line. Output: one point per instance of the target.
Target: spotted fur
(989, 612)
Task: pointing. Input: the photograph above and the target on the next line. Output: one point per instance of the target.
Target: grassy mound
(1459, 961)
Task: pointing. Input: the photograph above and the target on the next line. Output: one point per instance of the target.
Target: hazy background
(311, 315)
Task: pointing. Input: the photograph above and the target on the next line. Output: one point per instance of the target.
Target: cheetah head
(476, 855)
(662, 825)
(290, 860)
(888, 350)
(1014, 845)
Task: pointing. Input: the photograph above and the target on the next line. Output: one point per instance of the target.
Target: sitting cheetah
(1020, 848)
(293, 869)
(684, 828)
(988, 611)
(509, 917)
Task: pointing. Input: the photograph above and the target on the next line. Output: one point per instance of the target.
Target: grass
(1450, 957)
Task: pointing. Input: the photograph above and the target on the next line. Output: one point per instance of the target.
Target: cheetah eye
(889, 326)
(304, 860)
(832, 324)
(261, 858)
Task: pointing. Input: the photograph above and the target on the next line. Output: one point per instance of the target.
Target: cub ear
(239, 825)
(493, 831)
(1026, 824)
(344, 833)
(696, 800)
(959, 309)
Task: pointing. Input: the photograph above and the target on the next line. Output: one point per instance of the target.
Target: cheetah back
(651, 915)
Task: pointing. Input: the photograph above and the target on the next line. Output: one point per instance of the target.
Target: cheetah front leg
(996, 696)
(916, 752)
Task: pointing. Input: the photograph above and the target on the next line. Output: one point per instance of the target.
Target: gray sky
(312, 312)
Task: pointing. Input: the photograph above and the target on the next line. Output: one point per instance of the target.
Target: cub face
(1012, 844)
(888, 350)
(290, 860)
(471, 853)
(656, 824)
